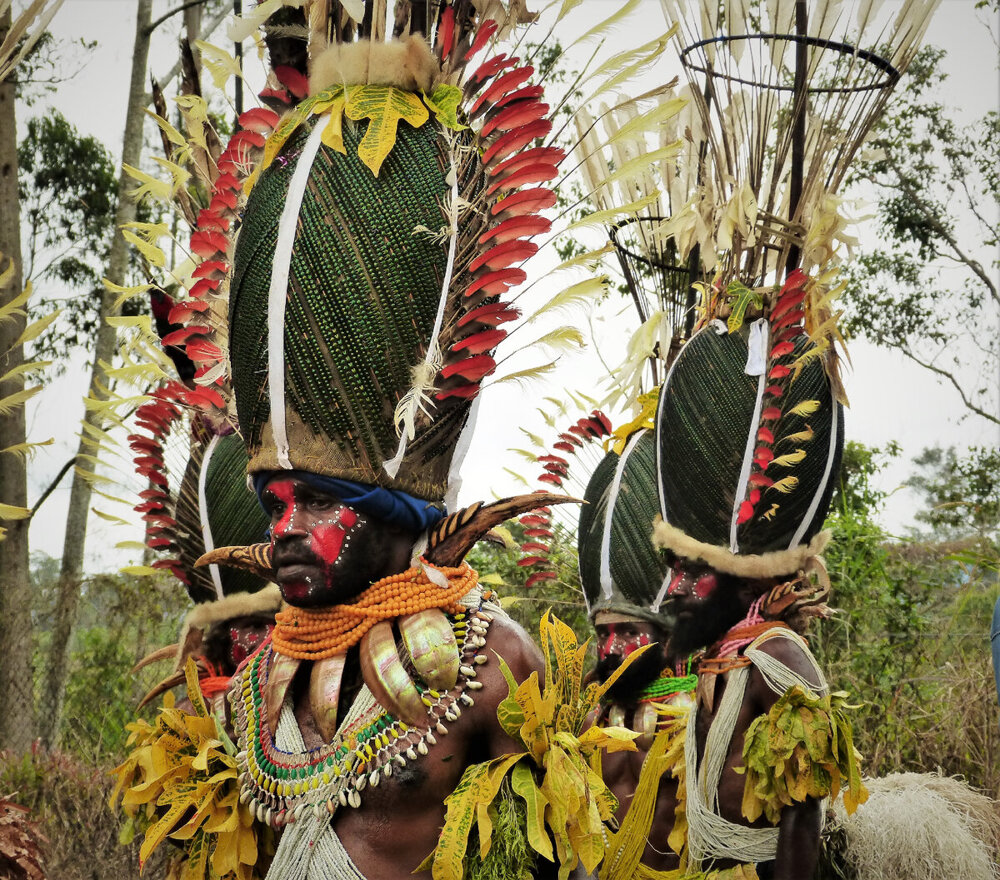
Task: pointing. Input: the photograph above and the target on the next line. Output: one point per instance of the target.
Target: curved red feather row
(785, 323)
(512, 118)
(555, 469)
(211, 241)
(157, 417)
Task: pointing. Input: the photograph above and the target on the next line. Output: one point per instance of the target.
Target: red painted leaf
(512, 141)
(528, 201)
(501, 256)
(517, 227)
(477, 343)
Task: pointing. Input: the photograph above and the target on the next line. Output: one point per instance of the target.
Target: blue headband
(388, 505)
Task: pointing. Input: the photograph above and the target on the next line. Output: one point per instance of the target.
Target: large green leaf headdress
(383, 227)
(620, 569)
(749, 438)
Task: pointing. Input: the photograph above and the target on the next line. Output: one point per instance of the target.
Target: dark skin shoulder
(398, 823)
(799, 828)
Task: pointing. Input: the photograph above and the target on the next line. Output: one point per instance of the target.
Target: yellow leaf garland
(803, 747)
(180, 783)
(556, 780)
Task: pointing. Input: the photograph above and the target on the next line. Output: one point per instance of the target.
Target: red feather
(292, 80)
(539, 576)
(486, 31)
(501, 86)
(515, 140)
(537, 173)
(211, 268)
(446, 32)
(473, 368)
(501, 256)
(495, 282)
(477, 343)
(515, 116)
(528, 201)
(491, 315)
(516, 227)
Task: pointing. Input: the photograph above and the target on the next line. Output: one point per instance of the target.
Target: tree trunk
(71, 572)
(17, 728)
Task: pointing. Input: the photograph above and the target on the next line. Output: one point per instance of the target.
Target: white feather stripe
(206, 527)
(616, 485)
(741, 485)
(278, 292)
(461, 450)
(433, 355)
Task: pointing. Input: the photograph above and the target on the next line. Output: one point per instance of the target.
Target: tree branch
(946, 374)
(942, 231)
(206, 32)
(174, 12)
(62, 473)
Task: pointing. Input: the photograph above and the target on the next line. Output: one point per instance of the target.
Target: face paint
(283, 491)
(326, 553)
(330, 536)
(622, 640)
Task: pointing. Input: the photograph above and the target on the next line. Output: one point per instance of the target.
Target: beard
(720, 610)
(640, 673)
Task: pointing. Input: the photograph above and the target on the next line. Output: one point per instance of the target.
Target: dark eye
(271, 503)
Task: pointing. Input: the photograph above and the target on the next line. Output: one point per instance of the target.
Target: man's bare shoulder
(792, 654)
(508, 641)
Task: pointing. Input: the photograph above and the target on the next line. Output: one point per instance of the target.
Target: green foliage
(122, 619)
(526, 606)
(909, 639)
(67, 187)
(961, 491)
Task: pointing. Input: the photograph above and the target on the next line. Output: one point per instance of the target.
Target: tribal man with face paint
(741, 522)
(625, 581)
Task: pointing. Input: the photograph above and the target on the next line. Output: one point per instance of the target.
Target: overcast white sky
(890, 400)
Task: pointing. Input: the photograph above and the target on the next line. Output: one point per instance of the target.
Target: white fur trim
(265, 601)
(753, 566)
(407, 64)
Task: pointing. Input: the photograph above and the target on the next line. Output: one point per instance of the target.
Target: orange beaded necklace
(308, 634)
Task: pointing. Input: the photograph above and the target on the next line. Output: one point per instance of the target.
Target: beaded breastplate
(280, 785)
